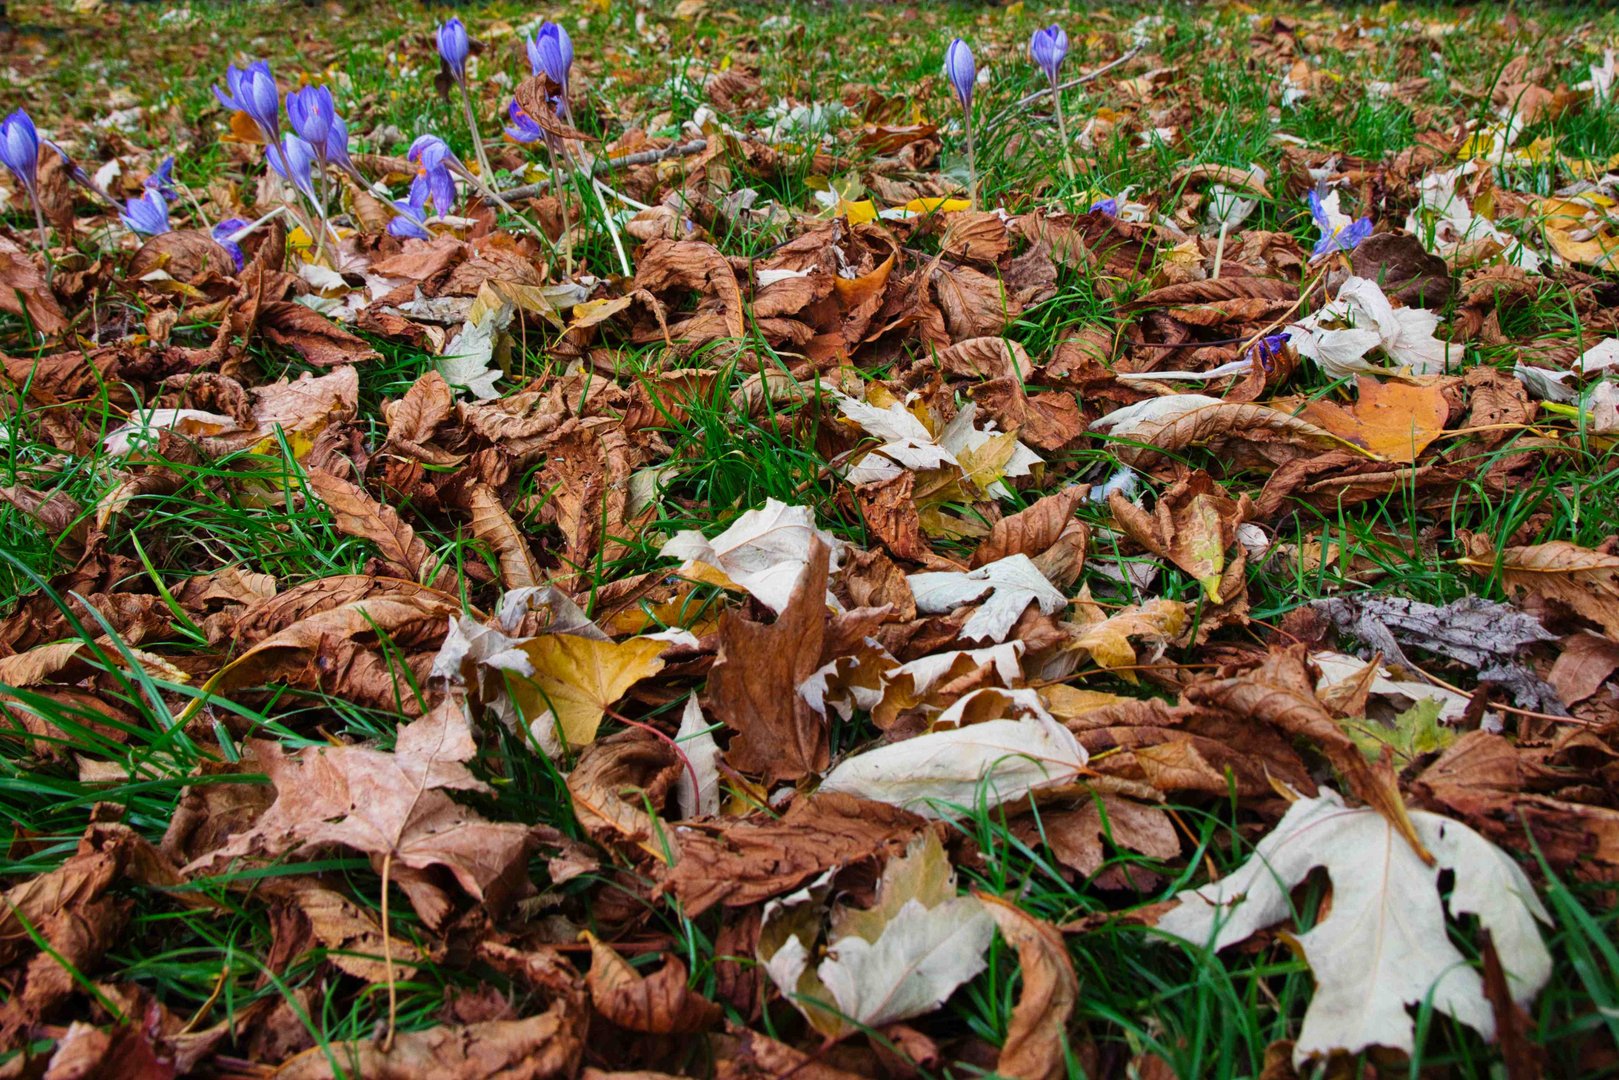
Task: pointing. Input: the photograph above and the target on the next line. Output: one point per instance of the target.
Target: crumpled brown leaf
(658, 1004)
(753, 687)
(1037, 1034)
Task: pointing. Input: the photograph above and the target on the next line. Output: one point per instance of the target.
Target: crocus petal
(960, 69)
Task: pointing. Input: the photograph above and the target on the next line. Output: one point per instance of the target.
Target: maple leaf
(1394, 420)
(763, 552)
(899, 959)
(1383, 945)
(1006, 587)
(393, 807)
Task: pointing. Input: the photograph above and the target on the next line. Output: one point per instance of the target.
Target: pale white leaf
(1007, 586)
(697, 795)
(1383, 944)
(931, 774)
(763, 552)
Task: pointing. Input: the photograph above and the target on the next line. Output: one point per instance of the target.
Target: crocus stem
(972, 163)
(1062, 132)
(44, 239)
(254, 226)
(477, 139)
(493, 196)
(562, 202)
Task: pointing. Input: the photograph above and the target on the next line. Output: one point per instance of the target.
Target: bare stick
(1092, 76)
(604, 165)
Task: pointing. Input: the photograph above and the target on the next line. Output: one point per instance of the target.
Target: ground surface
(570, 591)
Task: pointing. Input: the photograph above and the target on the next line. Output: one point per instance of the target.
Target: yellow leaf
(937, 206)
(858, 213)
(1394, 420)
(242, 129)
(578, 678)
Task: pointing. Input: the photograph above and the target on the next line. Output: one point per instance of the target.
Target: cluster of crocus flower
(318, 141)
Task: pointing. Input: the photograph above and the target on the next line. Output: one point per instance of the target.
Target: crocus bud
(252, 90)
(311, 112)
(1047, 48)
(960, 69)
(224, 235)
(19, 148)
(162, 179)
(147, 215)
(453, 46)
(298, 158)
(551, 52)
(410, 220)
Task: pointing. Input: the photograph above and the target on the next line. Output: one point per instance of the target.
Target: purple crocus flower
(1347, 238)
(19, 149)
(1268, 347)
(311, 112)
(147, 215)
(454, 46)
(1108, 206)
(224, 235)
(522, 129)
(294, 164)
(410, 221)
(961, 71)
(252, 90)
(1047, 48)
(551, 52)
(162, 179)
(433, 181)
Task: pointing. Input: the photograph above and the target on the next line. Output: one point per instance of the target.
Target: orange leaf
(1395, 421)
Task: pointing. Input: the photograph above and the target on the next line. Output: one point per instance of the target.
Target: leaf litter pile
(716, 570)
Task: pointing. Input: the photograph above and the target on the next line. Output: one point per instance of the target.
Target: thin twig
(605, 165)
(1091, 76)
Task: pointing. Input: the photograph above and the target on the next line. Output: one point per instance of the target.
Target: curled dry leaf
(1558, 573)
(1036, 1046)
(898, 959)
(1145, 431)
(1006, 588)
(657, 1004)
(947, 773)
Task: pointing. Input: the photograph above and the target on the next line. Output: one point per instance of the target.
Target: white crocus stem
(477, 139)
(1062, 131)
(253, 226)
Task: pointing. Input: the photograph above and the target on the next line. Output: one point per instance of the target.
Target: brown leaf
(533, 96)
(1048, 421)
(1193, 524)
(753, 687)
(312, 335)
(1566, 575)
(667, 265)
(1037, 1032)
(537, 1048)
(392, 807)
(1404, 269)
(741, 863)
(358, 514)
(184, 254)
(974, 304)
(1280, 691)
(495, 527)
(1032, 530)
(1586, 662)
(23, 291)
(986, 358)
(1149, 440)
(658, 1004)
(1075, 836)
(335, 648)
(889, 509)
(353, 939)
(616, 779)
